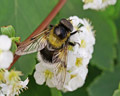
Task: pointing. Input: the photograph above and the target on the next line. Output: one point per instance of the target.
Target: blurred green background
(104, 69)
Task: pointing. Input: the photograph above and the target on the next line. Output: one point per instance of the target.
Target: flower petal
(24, 83)
(50, 83)
(6, 59)
(5, 42)
(74, 83)
(39, 78)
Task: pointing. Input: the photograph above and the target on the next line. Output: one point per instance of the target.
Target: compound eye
(67, 24)
(60, 32)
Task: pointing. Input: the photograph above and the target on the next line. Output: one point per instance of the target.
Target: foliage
(117, 92)
(104, 68)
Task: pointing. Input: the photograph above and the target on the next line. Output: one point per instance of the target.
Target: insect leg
(73, 33)
(51, 25)
(73, 44)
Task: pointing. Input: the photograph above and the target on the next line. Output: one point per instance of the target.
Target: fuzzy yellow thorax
(55, 41)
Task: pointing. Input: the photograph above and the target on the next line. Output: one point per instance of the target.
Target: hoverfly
(52, 43)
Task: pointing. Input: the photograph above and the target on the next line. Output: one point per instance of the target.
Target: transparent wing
(35, 44)
(60, 57)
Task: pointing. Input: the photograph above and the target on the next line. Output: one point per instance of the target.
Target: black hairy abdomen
(46, 54)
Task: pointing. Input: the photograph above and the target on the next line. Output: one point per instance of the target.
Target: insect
(52, 43)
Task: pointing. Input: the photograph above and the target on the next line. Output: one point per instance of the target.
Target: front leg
(73, 32)
(73, 43)
(51, 26)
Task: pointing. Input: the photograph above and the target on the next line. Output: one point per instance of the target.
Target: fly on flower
(52, 44)
(64, 50)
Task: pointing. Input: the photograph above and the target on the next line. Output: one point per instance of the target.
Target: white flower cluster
(97, 4)
(10, 83)
(6, 56)
(77, 59)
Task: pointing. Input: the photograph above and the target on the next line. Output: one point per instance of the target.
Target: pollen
(76, 27)
(78, 62)
(1, 76)
(104, 0)
(83, 44)
(70, 48)
(0, 51)
(14, 75)
(72, 76)
(48, 74)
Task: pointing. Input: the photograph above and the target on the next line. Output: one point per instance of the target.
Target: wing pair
(37, 43)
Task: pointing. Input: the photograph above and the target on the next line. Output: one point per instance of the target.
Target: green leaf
(55, 92)
(117, 21)
(105, 84)
(106, 35)
(105, 51)
(117, 92)
(8, 30)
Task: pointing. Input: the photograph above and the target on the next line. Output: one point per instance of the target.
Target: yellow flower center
(48, 74)
(76, 27)
(88, 1)
(78, 62)
(1, 76)
(70, 48)
(104, 1)
(14, 75)
(0, 51)
(83, 44)
(72, 76)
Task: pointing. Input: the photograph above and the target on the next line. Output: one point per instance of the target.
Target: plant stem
(42, 26)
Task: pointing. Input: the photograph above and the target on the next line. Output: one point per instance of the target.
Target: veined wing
(35, 44)
(60, 57)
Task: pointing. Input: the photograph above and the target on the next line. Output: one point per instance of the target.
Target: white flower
(78, 58)
(6, 56)
(44, 74)
(10, 83)
(97, 4)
